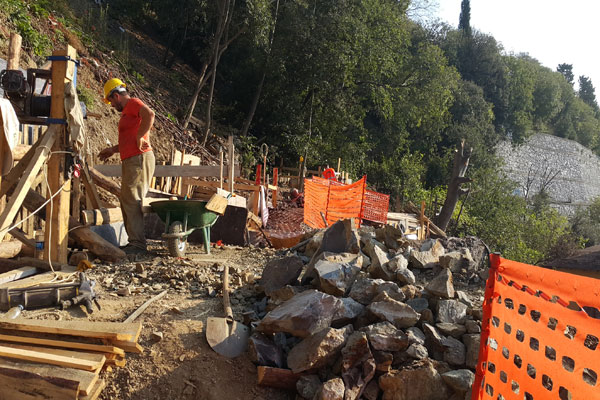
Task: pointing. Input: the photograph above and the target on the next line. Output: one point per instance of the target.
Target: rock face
(423, 382)
(302, 315)
(281, 272)
(318, 349)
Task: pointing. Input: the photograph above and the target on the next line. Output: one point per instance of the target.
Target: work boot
(131, 249)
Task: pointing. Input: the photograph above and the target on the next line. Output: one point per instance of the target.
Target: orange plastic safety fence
(540, 335)
(315, 202)
(335, 200)
(375, 207)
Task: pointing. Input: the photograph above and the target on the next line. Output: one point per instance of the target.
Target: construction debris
(375, 313)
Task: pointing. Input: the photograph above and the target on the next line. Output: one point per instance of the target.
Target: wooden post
(14, 51)
(422, 221)
(339, 165)
(276, 184)
(221, 168)
(57, 225)
(231, 170)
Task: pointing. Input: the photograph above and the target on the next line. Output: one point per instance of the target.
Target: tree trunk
(192, 105)
(461, 163)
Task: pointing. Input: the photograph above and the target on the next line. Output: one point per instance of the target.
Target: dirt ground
(181, 365)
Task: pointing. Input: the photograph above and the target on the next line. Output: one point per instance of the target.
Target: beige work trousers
(137, 172)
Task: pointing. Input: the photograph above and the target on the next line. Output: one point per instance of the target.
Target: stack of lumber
(43, 359)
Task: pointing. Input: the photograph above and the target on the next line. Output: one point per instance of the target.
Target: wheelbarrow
(181, 218)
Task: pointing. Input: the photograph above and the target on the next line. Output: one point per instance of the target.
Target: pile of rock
(367, 313)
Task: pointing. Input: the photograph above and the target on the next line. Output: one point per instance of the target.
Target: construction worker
(137, 159)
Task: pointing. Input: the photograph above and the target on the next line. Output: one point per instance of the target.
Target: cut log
(18, 385)
(86, 379)
(277, 377)
(101, 216)
(104, 182)
(82, 235)
(101, 330)
(10, 248)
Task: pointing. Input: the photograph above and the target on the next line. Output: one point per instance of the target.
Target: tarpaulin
(333, 199)
(540, 333)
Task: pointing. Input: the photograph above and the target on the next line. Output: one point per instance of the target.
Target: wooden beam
(99, 330)
(52, 359)
(100, 348)
(95, 391)
(22, 237)
(215, 184)
(85, 379)
(57, 226)
(197, 171)
(90, 189)
(17, 172)
(24, 385)
(128, 346)
(29, 174)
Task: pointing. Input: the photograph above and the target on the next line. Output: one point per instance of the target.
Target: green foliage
(566, 71)
(586, 223)
(87, 96)
(18, 14)
(464, 23)
(587, 92)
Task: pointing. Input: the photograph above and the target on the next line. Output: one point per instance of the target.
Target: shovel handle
(226, 303)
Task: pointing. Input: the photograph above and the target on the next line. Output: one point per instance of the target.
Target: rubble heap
(367, 313)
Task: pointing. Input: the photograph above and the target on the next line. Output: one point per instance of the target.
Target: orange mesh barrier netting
(539, 336)
(335, 200)
(375, 207)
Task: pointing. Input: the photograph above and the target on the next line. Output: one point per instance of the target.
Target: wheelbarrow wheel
(176, 246)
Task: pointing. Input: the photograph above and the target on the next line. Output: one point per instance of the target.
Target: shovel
(224, 335)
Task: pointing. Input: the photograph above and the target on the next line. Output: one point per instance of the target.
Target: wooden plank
(143, 307)
(24, 385)
(129, 347)
(29, 281)
(57, 211)
(63, 344)
(91, 191)
(92, 357)
(96, 391)
(29, 174)
(18, 273)
(102, 330)
(86, 379)
(17, 172)
(52, 359)
(168, 170)
(216, 184)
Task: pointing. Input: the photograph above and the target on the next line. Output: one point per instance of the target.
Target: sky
(551, 31)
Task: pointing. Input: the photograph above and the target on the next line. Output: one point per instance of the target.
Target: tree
(587, 92)
(567, 71)
(461, 163)
(464, 23)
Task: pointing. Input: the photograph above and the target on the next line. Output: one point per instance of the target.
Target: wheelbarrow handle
(226, 303)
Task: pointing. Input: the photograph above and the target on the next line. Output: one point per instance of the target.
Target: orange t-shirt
(129, 124)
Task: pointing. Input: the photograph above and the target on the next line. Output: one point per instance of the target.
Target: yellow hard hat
(111, 85)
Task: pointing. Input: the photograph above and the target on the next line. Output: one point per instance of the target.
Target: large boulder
(389, 235)
(471, 342)
(396, 312)
(318, 350)
(263, 351)
(461, 380)
(302, 315)
(333, 389)
(358, 365)
(364, 289)
(421, 382)
(356, 260)
(280, 272)
(335, 278)
(451, 311)
(351, 310)
(454, 351)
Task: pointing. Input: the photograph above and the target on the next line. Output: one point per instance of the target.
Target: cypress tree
(464, 23)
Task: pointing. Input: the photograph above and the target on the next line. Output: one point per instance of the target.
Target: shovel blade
(226, 338)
